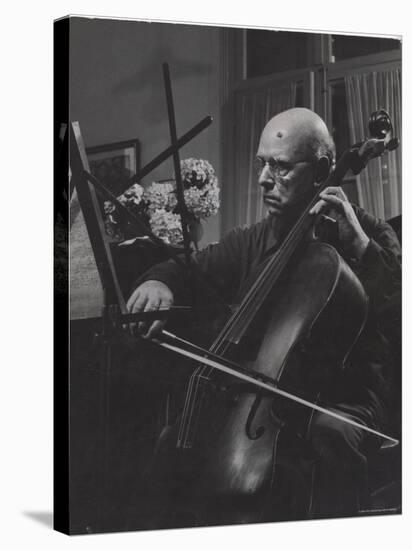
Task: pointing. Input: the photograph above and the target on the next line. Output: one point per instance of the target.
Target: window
(318, 67)
(271, 52)
(345, 47)
(339, 128)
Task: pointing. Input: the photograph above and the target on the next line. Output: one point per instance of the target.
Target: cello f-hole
(248, 427)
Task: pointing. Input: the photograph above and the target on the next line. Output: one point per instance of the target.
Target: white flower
(167, 226)
(204, 202)
(159, 201)
(197, 172)
(109, 207)
(160, 196)
(133, 195)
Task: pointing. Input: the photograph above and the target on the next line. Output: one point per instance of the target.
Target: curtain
(380, 184)
(243, 201)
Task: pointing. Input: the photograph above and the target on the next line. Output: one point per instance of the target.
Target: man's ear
(322, 169)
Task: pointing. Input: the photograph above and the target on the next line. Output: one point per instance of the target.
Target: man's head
(296, 153)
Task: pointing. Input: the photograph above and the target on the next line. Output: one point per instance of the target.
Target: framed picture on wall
(115, 163)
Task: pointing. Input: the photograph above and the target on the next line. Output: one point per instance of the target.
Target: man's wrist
(359, 246)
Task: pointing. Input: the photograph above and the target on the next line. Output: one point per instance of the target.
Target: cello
(232, 453)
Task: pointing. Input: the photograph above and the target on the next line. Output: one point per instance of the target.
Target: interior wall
(116, 88)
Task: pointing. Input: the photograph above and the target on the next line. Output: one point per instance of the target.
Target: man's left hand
(335, 204)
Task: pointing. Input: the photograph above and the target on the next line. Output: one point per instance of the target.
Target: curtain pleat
(253, 110)
(380, 183)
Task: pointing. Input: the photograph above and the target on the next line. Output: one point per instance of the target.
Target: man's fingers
(141, 303)
(154, 329)
(132, 299)
(144, 326)
(152, 305)
(333, 200)
(165, 304)
(157, 326)
(137, 302)
(150, 296)
(330, 196)
(319, 206)
(134, 306)
(335, 191)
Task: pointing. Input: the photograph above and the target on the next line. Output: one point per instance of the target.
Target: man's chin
(273, 209)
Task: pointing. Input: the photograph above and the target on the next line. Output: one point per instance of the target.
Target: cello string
(191, 396)
(192, 400)
(187, 404)
(258, 291)
(221, 342)
(279, 259)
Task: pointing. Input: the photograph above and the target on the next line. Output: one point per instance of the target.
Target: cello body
(244, 457)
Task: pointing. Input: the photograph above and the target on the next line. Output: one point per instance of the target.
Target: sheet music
(86, 293)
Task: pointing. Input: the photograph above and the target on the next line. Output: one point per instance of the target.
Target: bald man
(295, 155)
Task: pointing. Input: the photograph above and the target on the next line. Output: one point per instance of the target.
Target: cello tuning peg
(393, 144)
(380, 124)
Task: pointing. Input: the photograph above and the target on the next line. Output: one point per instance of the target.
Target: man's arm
(379, 268)
(370, 245)
(373, 250)
(218, 263)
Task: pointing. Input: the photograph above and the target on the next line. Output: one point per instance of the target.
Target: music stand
(114, 311)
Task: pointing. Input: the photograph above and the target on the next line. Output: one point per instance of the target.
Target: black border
(61, 494)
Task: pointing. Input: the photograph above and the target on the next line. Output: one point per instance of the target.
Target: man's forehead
(293, 133)
(280, 140)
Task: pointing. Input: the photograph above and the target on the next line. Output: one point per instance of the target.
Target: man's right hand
(150, 296)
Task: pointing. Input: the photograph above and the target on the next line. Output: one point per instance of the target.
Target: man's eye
(283, 169)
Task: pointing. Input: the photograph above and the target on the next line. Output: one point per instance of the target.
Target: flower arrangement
(157, 204)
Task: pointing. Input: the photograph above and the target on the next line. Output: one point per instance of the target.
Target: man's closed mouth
(272, 200)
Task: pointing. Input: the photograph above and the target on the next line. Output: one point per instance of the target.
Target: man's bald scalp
(306, 124)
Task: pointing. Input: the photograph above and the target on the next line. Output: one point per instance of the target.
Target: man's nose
(266, 179)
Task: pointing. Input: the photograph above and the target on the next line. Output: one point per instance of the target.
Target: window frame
(321, 74)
